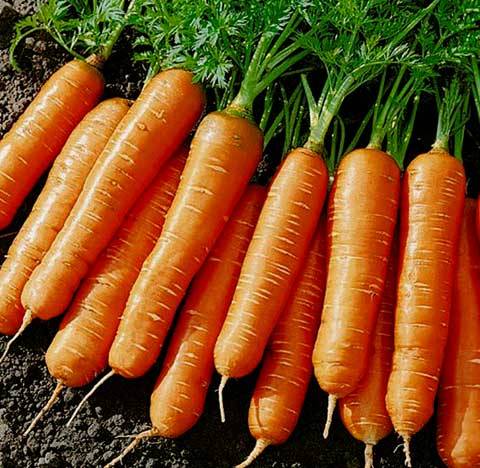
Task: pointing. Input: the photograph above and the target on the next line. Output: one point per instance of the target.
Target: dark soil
(121, 407)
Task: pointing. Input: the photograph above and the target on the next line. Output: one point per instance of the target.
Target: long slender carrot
(433, 192)
(274, 258)
(363, 411)
(179, 395)
(53, 206)
(287, 368)
(458, 416)
(362, 214)
(151, 131)
(79, 351)
(223, 155)
(39, 134)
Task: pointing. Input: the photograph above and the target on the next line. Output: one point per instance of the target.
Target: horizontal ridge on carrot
(458, 437)
(179, 395)
(225, 151)
(287, 367)
(53, 206)
(79, 351)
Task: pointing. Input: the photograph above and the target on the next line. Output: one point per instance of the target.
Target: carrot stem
(89, 394)
(332, 402)
(137, 439)
(260, 446)
(52, 400)
(223, 382)
(27, 320)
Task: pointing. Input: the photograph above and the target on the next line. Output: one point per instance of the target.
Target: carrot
(458, 416)
(37, 137)
(287, 368)
(274, 258)
(363, 411)
(52, 207)
(164, 113)
(79, 351)
(179, 395)
(433, 192)
(224, 153)
(361, 225)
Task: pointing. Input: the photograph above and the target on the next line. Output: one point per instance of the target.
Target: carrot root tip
(260, 446)
(136, 440)
(52, 400)
(368, 456)
(89, 394)
(332, 402)
(27, 320)
(406, 451)
(223, 382)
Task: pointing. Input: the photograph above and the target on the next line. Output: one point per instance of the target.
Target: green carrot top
(81, 27)
(355, 40)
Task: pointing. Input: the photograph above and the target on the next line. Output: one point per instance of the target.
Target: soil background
(120, 407)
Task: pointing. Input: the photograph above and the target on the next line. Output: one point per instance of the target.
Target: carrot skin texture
(274, 258)
(179, 395)
(79, 351)
(287, 368)
(458, 415)
(361, 223)
(37, 137)
(363, 411)
(433, 193)
(152, 130)
(63, 186)
(223, 156)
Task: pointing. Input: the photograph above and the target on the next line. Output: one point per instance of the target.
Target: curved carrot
(274, 259)
(224, 153)
(79, 351)
(433, 194)
(287, 368)
(363, 411)
(53, 206)
(458, 416)
(179, 395)
(362, 215)
(39, 134)
(152, 130)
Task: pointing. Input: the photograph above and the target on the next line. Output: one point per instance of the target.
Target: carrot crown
(89, 27)
(355, 42)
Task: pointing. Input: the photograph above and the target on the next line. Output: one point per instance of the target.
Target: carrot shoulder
(274, 258)
(151, 131)
(433, 194)
(224, 153)
(79, 351)
(37, 137)
(53, 206)
(458, 421)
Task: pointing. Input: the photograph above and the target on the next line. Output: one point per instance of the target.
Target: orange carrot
(179, 395)
(274, 259)
(151, 131)
(79, 351)
(53, 206)
(363, 411)
(287, 368)
(458, 435)
(223, 156)
(362, 217)
(39, 134)
(433, 193)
